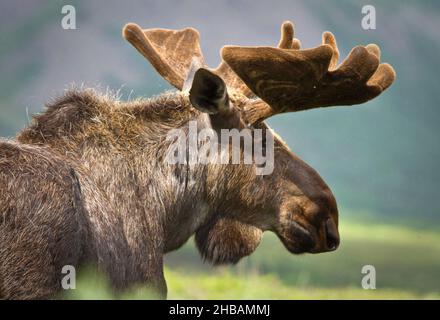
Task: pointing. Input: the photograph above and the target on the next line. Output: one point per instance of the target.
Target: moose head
(250, 85)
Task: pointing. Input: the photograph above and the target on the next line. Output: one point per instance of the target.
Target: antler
(289, 79)
(286, 78)
(170, 52)
(233, 81)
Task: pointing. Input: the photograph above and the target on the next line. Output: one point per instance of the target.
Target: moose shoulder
(105, 194)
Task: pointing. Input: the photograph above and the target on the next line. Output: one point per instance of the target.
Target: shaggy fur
(88, 184)
(42, 224)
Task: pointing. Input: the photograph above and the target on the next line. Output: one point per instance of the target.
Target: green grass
(229, 286)
(406, 260)
(407, 263)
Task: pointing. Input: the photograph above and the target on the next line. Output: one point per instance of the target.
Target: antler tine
(170, 52)
(290, 80)
(329, 38)
(287, 40)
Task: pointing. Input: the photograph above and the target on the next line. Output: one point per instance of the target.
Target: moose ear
(208, 92)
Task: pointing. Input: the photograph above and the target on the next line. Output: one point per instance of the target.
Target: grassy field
(407, 263)
(229, 286)
(226, 285)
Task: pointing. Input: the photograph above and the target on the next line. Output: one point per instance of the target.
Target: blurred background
(380, 158)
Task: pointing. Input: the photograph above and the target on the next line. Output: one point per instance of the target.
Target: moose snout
(331, 235)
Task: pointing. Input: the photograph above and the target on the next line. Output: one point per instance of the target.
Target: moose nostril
(332, 242)
(332, 236)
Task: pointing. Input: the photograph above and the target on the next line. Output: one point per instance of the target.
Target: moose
(86, 181)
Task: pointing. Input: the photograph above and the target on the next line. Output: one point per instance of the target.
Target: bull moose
(86, 181)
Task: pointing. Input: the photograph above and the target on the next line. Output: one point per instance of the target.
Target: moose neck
(121, 147)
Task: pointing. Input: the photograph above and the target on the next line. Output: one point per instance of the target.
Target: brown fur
(87, 184)
(87, 181)
(42, 222)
